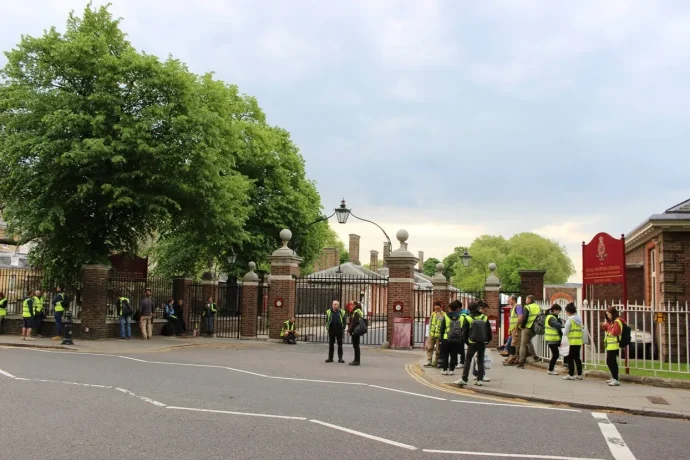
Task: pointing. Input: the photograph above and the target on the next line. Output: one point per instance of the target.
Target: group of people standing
(337, 325)
(34, 307)
(451, 332)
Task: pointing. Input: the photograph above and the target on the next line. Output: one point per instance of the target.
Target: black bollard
(67, 325)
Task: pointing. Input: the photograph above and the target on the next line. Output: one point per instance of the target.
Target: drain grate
(657, 400)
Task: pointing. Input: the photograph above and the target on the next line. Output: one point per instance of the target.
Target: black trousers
(461, 352)
(335, 334)
(479, 349)
(355, 346)
(554, 355)
(612, 362)
(173, 326)
(38, 323)
(574, 360)
(289, 338)
(450, 355)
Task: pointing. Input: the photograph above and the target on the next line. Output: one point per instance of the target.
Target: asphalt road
(270, 401)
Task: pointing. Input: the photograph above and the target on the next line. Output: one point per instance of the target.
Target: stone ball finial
(402, 235)
(252, 266)
(440, 267)
(285, 236)
(492, 267)
(251, 274)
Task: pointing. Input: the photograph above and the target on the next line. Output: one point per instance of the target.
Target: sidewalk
(533, 384)
(136, 345)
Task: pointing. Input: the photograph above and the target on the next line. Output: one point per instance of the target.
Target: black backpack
(126, 308)
(455, 330)
(625, 339)
(478, 332)
(539, 325)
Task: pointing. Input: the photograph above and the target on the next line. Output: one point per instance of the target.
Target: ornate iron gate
(316, 294)
(423, 306)
(227, 322)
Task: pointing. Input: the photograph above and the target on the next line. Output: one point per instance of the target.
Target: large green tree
(429, 268)
(523, 251)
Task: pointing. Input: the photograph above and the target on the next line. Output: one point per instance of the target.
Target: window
(652, 277)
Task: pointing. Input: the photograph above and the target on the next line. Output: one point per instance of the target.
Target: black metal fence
(17, 283)
(133, 286)
(467, 297)
(316, 295)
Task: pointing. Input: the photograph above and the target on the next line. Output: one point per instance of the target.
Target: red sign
(603, 260)
(279, 302)
(398, 306)
(493, 322)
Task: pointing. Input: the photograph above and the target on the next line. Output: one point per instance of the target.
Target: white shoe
(486, 379)
(609, 380)
(479, 382)
(460, 366)
(461, 382)
(614, 383)
(568, 377)
(444, 373)
(579, 377)
(451, 373)
(552, 373)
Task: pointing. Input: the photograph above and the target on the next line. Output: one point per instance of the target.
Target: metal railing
(660, 337)
(15, 284)
(132, 286)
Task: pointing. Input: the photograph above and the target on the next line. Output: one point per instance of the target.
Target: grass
(649, 368)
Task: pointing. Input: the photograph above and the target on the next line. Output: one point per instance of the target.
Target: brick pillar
(374, 260)
(441, 287)
(94, 298)
(250, 291)
(401, 264)
(181, 291)
(284, 270)
(354, 249)
(532, 283)
(492, 297)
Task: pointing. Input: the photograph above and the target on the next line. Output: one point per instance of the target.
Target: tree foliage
(429, 268)
(103, 146)
(523, 251)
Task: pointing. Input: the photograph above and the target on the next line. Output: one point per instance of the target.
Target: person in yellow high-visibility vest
(516, 315)
(39, 314)
(552, 336)
(288, 331)
(531, 312)
(3, 308)
(614, 329)
(573, 330)
(27, 316)
(437, 318)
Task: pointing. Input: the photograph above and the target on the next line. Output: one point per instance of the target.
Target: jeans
(450, 355)
(58, 323)
(355, 346)
(125, 327)
(208, 322)
(574, 359)
(612, 362)
(479, 349)
(335, 334)
(554, 355)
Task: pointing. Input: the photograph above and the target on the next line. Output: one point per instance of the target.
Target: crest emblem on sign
(601, 249)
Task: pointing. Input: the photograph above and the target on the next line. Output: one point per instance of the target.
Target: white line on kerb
(364, 435)
(496, 454)
(215, 411)
(619, 449)
(524, 406)
(7, 374)
(408, 393)
(143, 398)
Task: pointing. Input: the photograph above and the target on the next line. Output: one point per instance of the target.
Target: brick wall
(560, 292)
(248, 306)
(674, 266)
(330, 257)
(283, 273)
(94, 297)
(374, 260)
(492, 298)
(402, 290)
(532, 283)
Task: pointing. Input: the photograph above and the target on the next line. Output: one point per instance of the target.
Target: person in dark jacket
(552, 336)
(475, 347)
(450, 347)
(146, 308)
(178, 307)
(335, 324)
(354, 321)
(173, 320)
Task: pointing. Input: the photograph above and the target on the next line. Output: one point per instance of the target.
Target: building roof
(676, 217)
(421, 281)
(347, 269)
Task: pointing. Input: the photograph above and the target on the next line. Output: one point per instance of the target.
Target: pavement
(262, 400)
(534, 384)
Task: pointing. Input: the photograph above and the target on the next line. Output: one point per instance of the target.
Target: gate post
(250, 288)
(492, 296)
(94, 299)
(441, 287)
(284, 270)
(401, 263)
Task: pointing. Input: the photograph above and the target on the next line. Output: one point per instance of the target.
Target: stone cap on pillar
(492, 281)
(251, 274)
(401, 256)
(439, 278)
(284, 252)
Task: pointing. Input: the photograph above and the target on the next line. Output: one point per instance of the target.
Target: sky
(450, 119)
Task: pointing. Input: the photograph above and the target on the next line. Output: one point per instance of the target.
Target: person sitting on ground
(288, 332)
(173, 320)
(553, 334)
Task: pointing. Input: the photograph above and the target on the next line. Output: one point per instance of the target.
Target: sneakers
(614, 383)
(579, 377)
(521, 365)
(478, 383)
(569, 377)
(461, 382)
(428, 364)
(486, 379)
(57, 337)
(460, 366)
(552, 373)
(610, 380)
(31, 339)
(445, 373)
(451, 372)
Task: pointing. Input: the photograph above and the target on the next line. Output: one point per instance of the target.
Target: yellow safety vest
(26, 311)
(435, 326)
(534, 311)
(611, 341)
(287, 326)
(3, 307)
(328, 316)
(38, 304)
(448, 320)
(470, 320)
(58, 304)
(551, 333)
(119, 308)
(513, 318)
(575, 333)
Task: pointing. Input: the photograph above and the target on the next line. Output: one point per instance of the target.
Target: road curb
(553, 402)
(36, 345)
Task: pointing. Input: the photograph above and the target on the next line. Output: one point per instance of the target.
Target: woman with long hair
(614, 328)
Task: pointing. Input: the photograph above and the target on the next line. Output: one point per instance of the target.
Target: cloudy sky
(448, 118)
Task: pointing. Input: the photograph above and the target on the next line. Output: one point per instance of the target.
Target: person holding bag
(573, 330)
(614, 329)
(356, 329)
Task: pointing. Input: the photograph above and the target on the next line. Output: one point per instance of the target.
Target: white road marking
(495, 454)
(408, 393)
(365, 435)
(317, 381)
(524, 406)
(249, 414)
(143, 398)
(7, 374)
(619, 449)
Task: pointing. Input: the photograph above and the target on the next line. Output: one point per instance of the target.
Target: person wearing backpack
(552, 335)
(476, 332)
(531, 312)
(452, 337)
(573, 330)
(124, 312)
(614, 327)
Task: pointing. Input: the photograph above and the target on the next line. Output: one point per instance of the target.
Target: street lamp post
(466, 258)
